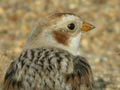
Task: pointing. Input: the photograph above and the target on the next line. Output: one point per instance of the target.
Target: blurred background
(100, 46)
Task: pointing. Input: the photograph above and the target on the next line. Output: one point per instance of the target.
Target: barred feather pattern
(48, 69)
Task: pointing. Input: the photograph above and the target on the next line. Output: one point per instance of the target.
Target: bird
(50, 59)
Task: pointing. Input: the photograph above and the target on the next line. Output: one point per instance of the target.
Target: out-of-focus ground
(101, 46)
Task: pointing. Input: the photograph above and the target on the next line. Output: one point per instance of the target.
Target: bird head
(61, 30)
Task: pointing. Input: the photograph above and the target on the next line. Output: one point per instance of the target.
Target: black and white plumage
(49, 67)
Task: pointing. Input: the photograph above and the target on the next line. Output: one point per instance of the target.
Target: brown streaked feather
(43, 61)
(82, 77)
(62, 14)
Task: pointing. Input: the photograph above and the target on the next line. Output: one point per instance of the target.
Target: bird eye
(71, 26)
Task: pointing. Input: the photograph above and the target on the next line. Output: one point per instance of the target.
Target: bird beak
(87, 27)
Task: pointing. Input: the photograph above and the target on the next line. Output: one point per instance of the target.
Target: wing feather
(82, 77)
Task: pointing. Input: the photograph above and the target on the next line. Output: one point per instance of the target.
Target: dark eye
(71, 26)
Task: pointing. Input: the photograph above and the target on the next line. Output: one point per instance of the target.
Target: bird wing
(12, 80)
(48, 69)
(82, 77)
(36, 69)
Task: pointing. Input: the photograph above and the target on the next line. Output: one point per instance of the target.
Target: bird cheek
(61, 37)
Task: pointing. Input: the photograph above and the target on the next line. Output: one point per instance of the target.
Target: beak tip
(87, 26)
(93, 27)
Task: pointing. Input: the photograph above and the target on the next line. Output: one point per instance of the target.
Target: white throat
(74, 44)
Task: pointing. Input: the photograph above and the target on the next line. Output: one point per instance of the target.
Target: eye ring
(71, 26)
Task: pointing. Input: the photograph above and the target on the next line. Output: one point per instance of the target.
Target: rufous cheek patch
(61, 37)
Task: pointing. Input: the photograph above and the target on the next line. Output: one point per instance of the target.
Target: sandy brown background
(100, 46)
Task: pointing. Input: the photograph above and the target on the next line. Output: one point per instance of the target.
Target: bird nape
(50, 59)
